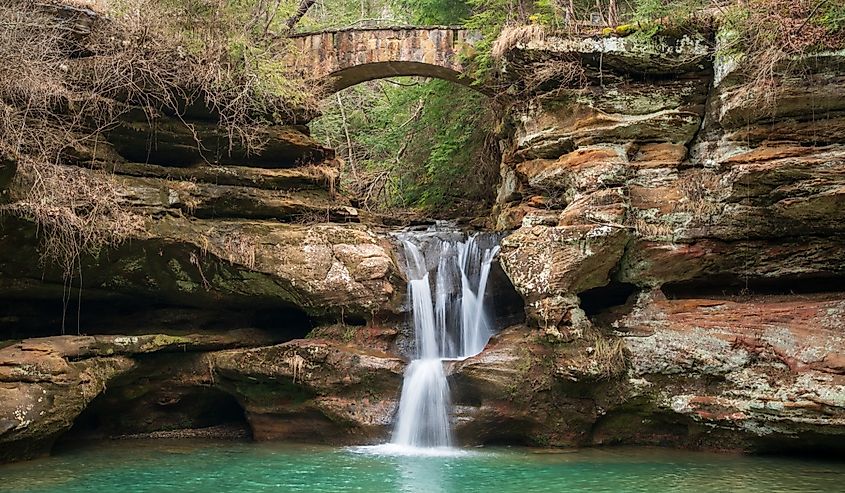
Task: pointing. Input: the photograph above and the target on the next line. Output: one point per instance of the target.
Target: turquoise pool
(208, 466)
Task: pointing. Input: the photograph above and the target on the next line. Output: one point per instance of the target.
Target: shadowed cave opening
(25, 318)
(597, 300)
(733, 286)
(148, 403)
(508, 307)
(809, 445)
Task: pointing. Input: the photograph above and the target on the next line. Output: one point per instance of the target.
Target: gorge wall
(678, 248)
(197, 316)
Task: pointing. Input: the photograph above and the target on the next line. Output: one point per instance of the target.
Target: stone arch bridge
(350, 56)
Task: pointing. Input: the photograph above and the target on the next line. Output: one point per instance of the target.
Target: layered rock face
(299, 390)
(195, 215)
(679, 246)
(196, 316)
(266, 227)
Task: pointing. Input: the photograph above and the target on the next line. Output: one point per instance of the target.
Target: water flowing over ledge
(450, 322)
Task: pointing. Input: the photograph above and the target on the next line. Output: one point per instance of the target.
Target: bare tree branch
(304, 5)
(349, 151)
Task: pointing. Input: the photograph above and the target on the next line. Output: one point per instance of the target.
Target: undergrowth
(412, 143)
(772, 39)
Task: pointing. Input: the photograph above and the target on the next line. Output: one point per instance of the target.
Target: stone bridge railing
(350, 56)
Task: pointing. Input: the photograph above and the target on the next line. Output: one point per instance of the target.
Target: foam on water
(397, 450)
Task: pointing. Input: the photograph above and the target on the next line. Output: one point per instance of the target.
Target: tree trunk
(304, 5)
(612, 13)
(349, 153)
(571, 20)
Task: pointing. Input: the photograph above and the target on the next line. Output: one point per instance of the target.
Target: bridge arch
(347, 57)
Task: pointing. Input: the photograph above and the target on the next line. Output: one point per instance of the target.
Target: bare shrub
(314, 217)
(240, 249)
(67, 77)
(78, 211)
(166, 56)
(564, 73)
(62, 87)
(511, 36)
(609, 357)
(42, 115)
(774, 36)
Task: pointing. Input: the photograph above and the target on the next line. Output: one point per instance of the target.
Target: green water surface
(208, 466)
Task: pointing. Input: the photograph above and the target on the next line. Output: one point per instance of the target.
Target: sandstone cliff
(679, 249)
(212, 244)
(664, 214)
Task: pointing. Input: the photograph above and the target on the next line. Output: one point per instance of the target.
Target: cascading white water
(424, 406)
(451, 324)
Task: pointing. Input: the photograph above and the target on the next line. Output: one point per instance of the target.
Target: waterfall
(424, 406)
(449, 323)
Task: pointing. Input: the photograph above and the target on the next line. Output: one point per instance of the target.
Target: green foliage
(547, 13)
(345, 13)
(646, 10)
(418, 144)
(653, 17)
(832, 17)
(489, 17)
(434, 12)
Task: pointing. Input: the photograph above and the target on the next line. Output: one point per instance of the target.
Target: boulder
(524, 389)
(549, 266)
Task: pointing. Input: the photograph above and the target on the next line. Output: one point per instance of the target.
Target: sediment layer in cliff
(661, 211)
(679, 252)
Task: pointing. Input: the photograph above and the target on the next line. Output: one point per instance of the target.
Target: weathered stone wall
(351, 56)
